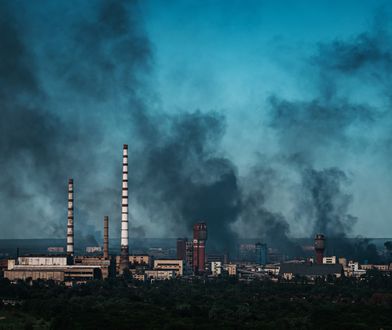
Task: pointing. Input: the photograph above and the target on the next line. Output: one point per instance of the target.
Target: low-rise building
(353, 269)
(216, 268)
(104, 264)
(56, 249)
(382, 268)
(159, 274)
(67, 274)
(343, 261)
(170, 264)
(40, 261)
(136, 261)
(93, 249)
(329, 260)
(3, 266)
(139, 277)
(272, 269)
(231, 269)
(289, 271)
(140, 259)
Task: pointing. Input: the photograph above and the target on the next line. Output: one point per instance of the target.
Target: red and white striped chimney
(124, 256)
(70, 223)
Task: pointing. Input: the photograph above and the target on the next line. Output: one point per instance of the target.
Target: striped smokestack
(106, 237)
(124, 256)
(70, 223)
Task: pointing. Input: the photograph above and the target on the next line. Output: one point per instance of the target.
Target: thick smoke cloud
(271, 227)
(67, 107)
(29, 137)
(43, 141)
(327, 203)
(331, 126)
(180, 176)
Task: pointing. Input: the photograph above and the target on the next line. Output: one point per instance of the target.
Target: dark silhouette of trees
(220, 304)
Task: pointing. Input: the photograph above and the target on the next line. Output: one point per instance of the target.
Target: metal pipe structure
(106, 237)
(124, 255)
(70, 223)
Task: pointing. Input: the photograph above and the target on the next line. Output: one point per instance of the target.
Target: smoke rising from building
(73, 103)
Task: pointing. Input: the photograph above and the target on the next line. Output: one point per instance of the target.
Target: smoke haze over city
(234, 113)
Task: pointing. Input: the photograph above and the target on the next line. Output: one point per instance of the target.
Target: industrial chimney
(199, 247)
(106, 237)
(124, 255)
(319, 247)
(70, 223)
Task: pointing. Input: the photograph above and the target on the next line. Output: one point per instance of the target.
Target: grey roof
(309, 269)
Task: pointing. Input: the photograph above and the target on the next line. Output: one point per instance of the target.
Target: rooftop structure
(290, 270)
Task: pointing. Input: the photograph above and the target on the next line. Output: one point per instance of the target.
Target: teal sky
(232, 55)
(286, 103)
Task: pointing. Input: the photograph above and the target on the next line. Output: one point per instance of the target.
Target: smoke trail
(29, 136)
(182, 176)
(68, 106)
(49, 130)
(179, 173)
(326, 203)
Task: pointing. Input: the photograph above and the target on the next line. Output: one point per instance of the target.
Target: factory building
(143, 261)
(247, 252)
(159, 274)
(288, 271)
(50, 268)
(199, 247)
(189, 257)
(216, 268)
(253, 253)
(181, 248)
(329, 260)
(171, 265)
(261, 253)
(103, 261)
(55, 249)
(98, 261)
(70, 269)
(39, 261)
(184, 252)
(231, 269)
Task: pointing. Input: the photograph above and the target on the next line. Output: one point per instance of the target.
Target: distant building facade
(289, 271)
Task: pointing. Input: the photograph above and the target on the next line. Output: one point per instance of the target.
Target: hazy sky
(290, 101)
(232, 55)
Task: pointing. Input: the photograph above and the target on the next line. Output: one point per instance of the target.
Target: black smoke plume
(68, 106)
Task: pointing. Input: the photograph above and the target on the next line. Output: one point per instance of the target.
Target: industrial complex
(188, 260)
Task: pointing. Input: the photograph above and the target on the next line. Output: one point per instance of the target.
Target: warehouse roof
(310, 269)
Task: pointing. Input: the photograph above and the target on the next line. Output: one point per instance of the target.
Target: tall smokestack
(319, 247)
(124, 256)
(70, 223)
(106, 237)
